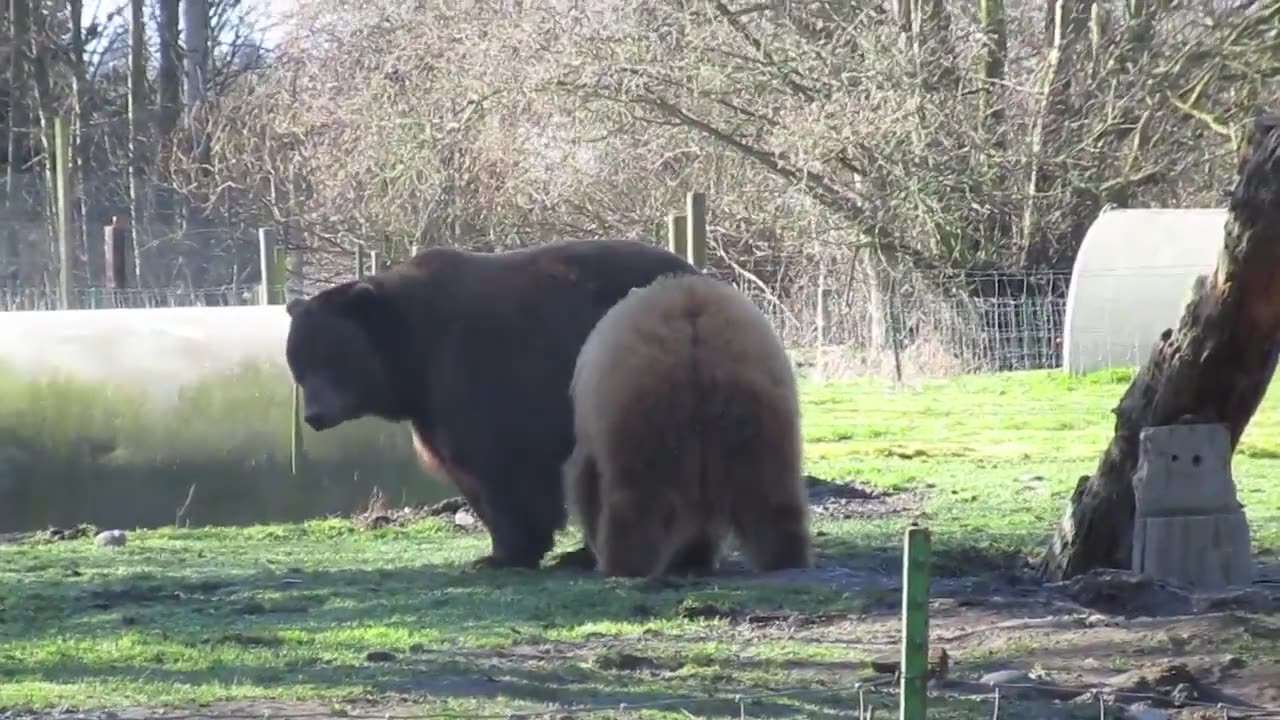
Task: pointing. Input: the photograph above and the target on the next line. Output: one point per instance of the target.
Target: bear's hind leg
(774, 535)
(582, 495)
(634, 537)
(524, 510)
(769, 511)
(516, 542)
(697, 557)
(522, 533)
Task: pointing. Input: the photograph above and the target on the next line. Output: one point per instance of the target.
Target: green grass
(291, 611)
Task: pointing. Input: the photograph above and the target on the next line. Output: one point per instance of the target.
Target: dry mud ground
(1108, 641)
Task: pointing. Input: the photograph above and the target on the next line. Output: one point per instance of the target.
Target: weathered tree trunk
(1215, 367)
(19, 135)
(168, 101)
(137, 109)
(195, 27)
(81, 159)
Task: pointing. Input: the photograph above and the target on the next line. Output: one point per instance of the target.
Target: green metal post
(914, 668)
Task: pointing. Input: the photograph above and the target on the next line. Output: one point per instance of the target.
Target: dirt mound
(828, 498)
(454, 510)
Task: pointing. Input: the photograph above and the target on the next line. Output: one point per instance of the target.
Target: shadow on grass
(566, 687)
(208, 619)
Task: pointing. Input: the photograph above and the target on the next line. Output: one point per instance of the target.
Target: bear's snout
(318, 420)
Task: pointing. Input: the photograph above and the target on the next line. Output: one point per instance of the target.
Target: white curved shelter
(117, 417)
(1132, 277)
(155, 351)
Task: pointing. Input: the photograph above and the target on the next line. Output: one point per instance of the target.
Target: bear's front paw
(498, 562)
(581, 560)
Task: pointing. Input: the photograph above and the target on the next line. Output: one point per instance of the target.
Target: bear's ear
(361, 299)
(362, 290)
(294, 306)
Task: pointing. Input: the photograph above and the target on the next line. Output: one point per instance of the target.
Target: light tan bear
(687, 429)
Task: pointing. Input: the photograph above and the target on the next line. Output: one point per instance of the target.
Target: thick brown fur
(687, 427)
(475, 351)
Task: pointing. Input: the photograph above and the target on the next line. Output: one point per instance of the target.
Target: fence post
(824, 307)
(280, 281)
(115, 249)
(677, 234)
(273, 276)
(10, 259)
(374, 259)
(62, 191)
(914, 667)
(267, 258)
(296, 275)
(896, 330)
(359, 262)
(696, 210)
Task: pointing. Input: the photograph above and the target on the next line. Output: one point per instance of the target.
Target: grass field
(328, 618)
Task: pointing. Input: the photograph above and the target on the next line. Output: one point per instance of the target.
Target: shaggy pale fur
(687, 429)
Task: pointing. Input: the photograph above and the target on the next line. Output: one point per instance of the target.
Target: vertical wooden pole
(296, 273)
(274, 269)
(896, 330)
(8, 259)
(267, 258)
(374, 259)
(281, 279)
(115, 248)
(62, 224)
(823, 309)
(297, 452)
(359, 261)
(914, 668)
(677, 234)
(696, 210)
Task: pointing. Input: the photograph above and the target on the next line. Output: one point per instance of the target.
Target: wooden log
(1189, 525)
(1215, 367)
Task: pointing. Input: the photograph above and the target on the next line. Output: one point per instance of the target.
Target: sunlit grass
(292, 611)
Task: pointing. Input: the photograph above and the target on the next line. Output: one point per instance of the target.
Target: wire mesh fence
(945, 323)
(925, 325)
(135, 298)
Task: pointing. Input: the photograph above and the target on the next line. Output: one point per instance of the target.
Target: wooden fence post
(914, 667)
(280, 281)
(274, 268)
(115, 250)
(374, 258)
(696, 211)
(677, 234)
(267, 259)
(824, 308)
(62, 205)
(359, 262)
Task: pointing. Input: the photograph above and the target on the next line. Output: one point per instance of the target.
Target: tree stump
(1214, 368)
(1189, 526)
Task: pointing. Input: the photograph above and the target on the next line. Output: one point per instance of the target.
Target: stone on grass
(111, 538)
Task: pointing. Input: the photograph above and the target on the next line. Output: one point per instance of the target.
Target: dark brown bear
(475, 351)
(688, 429)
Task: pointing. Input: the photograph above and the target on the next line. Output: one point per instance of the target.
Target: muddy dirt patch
(835, 499)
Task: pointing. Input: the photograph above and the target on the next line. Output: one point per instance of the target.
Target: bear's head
(336, 350)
